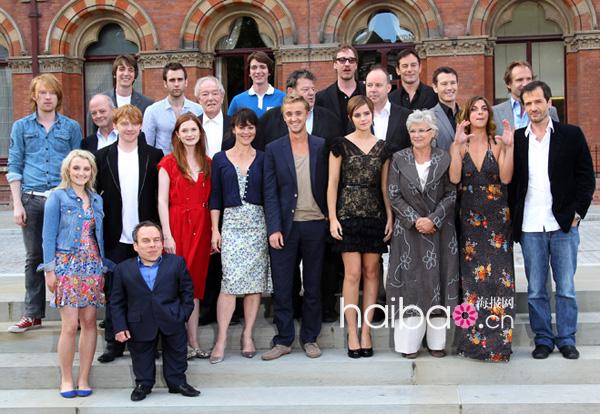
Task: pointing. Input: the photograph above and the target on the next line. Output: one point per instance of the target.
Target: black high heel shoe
(353, 353)
(367, 352)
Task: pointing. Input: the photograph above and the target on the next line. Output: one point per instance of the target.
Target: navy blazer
(571, 174)
(225, 190)
(281, 185)
(144, 312)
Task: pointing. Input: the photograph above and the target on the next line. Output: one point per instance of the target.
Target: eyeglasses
(419, 131)
(342, 60)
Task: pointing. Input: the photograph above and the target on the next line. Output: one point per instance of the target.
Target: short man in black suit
(295, 185)
(412, 93)
(321, 122)
(389, 119)
(551, 190)
(127, 180)
(153, 297)
(100, 108)
(336, 96)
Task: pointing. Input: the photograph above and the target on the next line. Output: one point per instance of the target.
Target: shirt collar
(155, 264)
(217, 119)
(549, 128)
(186, 103)
(514, 102)
(58, 118)
(270, 90)
(112, 133)
(386, 108)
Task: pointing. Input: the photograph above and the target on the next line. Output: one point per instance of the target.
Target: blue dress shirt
(149, 272)
(521, 120)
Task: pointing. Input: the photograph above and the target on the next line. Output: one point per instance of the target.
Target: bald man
(100, 109)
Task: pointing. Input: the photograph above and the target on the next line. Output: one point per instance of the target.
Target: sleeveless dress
(245, 250)
(486, 262)
(79, 274)
(189, 219)
(360, 208)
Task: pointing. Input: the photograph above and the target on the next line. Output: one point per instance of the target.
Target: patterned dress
(79, 274)
(244, 249)
(360, 207)
(486, 261)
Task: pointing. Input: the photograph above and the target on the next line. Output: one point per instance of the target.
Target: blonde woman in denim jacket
(73, 265)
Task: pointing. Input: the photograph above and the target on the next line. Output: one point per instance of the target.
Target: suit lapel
(409, 171)
(135, 271)
(143, 159)
(312, 157)
(289, 156)
(391, 128)
(113, 165)
(555, 141)
(444, 121)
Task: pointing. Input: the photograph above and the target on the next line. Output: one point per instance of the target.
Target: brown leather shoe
(276, 352)
(312, 350)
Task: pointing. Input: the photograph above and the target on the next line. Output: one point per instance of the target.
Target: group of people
(163, 199)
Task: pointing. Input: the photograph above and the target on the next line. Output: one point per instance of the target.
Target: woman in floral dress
(73, 265)
(238, 194)
(482, 165)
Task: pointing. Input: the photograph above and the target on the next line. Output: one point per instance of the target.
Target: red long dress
(189, 219)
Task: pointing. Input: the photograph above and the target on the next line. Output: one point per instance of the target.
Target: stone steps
(332, 369)
(332, 335)
(392, 399)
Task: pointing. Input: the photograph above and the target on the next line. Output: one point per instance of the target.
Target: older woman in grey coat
(423, 269)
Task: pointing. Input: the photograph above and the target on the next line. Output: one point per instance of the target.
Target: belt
(37, 193)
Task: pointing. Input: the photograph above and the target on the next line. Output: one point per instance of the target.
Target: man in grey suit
(445, 84)
(518, 74)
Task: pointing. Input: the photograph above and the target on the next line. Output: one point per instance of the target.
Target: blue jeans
(557, 250)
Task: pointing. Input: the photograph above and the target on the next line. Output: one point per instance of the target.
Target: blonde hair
(65, 178)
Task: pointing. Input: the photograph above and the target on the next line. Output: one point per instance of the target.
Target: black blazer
(272, 126)
(228, 140)
(571, 173)
(137, 99)
(328, 98)
(108, 186)
(90, 143)
(142, 311)
(281, 183)
(396, 137)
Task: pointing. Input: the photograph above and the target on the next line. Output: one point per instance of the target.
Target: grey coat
(424, 269)
(504, 111)
(445, 136)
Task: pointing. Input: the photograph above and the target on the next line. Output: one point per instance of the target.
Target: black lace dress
(360, 209)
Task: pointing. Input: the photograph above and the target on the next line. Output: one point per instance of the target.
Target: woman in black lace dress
(360, 216)
(482, 165)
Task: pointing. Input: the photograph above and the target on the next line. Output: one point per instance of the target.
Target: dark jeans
(35, 285)
(307, 239)
(117, 254)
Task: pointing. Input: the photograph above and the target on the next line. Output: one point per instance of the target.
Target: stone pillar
(196, 63)
(470, 56)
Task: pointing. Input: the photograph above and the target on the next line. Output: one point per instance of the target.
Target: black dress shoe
(354, 353)
(329, 316)
(140, 391)
(541, 352)
(366, 352)
(569, 352)
(184, 389)
(102, 324)
(109, 356)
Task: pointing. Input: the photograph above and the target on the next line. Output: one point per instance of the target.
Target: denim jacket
(63, 222)
(34, 155)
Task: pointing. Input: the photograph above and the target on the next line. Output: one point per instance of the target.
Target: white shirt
(214, 133)
(129, 176)
(423, 171)
(310, 120)
(380, 121)
(122, 100)
(106, 141)
(537, 215)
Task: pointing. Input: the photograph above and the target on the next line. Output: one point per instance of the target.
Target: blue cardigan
(225, 191)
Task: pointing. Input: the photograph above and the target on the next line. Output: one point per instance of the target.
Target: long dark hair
(490, 127)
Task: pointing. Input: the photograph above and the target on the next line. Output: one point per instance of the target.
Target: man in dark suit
(321, 122)
(518, 74)
(389, 119)
(153, 297)
(127, 180)
(124, 73)
(552, 188)
(336, 96)
(445, 84)
(295, 186)
(412, 93)
(100, 109)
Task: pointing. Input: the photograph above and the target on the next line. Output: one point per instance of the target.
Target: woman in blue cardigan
(237, 193)
(73, 265)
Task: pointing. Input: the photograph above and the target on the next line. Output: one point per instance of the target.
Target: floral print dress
(486, 262)
(79, 274)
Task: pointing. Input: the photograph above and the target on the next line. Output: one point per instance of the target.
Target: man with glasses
(336, 96)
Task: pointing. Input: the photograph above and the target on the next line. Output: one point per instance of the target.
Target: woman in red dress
(183, 193)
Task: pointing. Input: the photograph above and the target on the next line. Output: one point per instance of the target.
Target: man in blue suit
(153, 296)
(295, 187)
